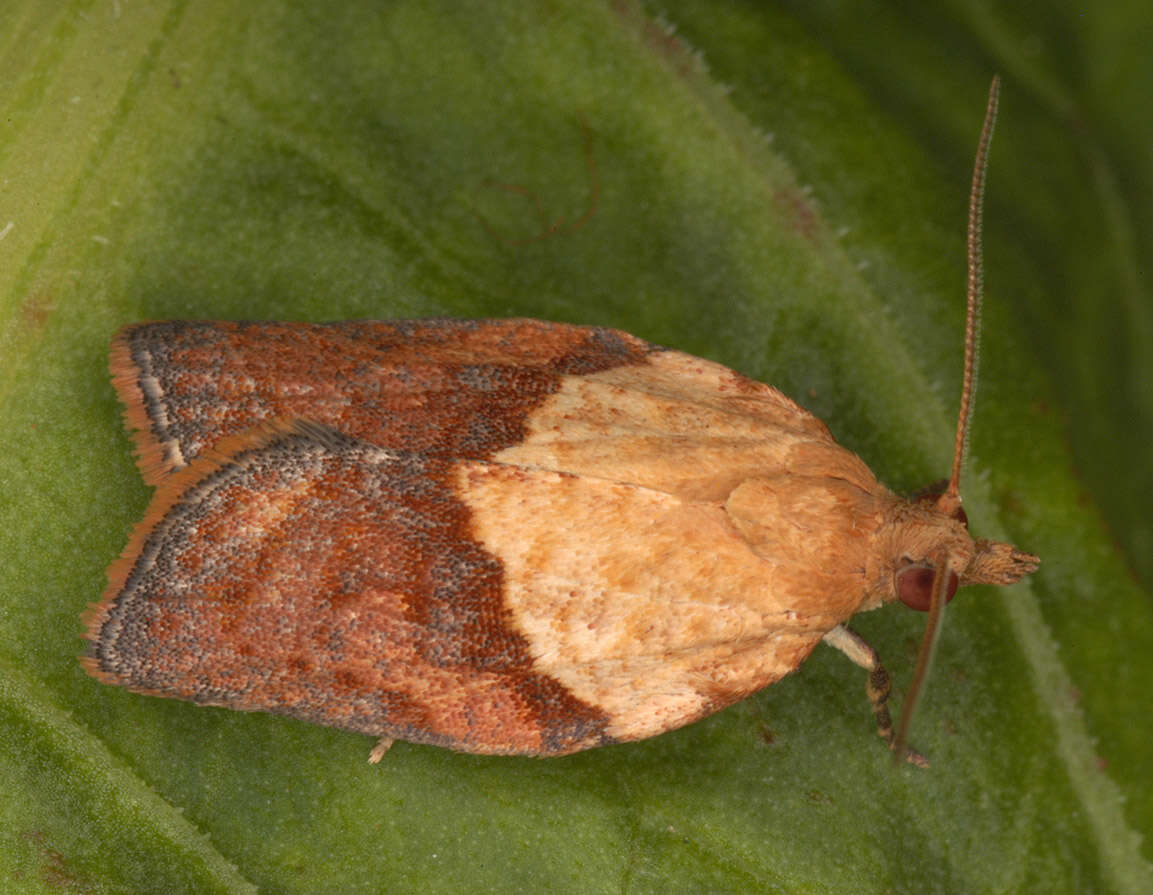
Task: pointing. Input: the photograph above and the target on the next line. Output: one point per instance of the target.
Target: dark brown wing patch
(451, 387)
(303, 572)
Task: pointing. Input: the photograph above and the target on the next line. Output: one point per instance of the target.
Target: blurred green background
(780, 187)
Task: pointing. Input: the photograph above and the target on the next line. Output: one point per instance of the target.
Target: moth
(501, 536)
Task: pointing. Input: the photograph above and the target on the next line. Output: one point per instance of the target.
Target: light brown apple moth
(502, 536)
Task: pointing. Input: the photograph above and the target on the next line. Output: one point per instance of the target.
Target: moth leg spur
(877, 685)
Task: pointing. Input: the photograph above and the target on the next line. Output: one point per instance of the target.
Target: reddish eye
(915, 586)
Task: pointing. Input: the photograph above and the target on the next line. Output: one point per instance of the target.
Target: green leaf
(782, 189)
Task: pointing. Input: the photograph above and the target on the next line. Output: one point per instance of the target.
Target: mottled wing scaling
(460, 388)
(250, 586)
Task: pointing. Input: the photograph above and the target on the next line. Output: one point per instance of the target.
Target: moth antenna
(937, 601)
(951, 499)
(950, 502)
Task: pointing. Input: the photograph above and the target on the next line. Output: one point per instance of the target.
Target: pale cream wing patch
(651, 607)
(678, 424)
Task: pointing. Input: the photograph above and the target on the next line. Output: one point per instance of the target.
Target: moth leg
(860, 653)
(382, 746)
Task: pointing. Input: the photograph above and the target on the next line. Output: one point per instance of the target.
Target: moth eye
(915, 586)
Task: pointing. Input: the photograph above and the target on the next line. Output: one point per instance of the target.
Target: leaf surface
(779, 189)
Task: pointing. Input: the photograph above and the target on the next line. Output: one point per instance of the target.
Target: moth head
(931, 531)
(939, 527)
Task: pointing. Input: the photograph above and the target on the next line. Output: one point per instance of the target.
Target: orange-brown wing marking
(302, 572)
(457, 388)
